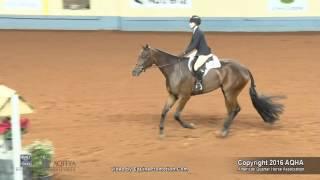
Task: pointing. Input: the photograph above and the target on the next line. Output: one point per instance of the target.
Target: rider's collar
(194, 29)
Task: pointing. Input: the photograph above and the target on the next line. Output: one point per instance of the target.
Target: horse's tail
(265, 106)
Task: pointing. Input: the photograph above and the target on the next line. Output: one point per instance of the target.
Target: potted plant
(5, 130)
(41, 156)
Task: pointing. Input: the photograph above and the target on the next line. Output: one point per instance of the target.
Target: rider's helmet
(195, 19)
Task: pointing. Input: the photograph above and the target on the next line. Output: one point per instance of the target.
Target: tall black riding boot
(198, 76)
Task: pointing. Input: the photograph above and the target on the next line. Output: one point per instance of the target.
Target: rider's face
(192, 25)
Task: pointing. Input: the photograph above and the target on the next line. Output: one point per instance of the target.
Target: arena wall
(218, 15)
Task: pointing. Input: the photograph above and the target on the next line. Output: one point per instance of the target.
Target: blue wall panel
(159, 24)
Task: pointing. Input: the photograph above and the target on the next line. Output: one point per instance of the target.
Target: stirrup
(198, 86)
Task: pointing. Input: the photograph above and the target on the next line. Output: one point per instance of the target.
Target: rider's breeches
(200, 61)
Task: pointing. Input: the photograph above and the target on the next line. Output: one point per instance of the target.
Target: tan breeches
(200, 61)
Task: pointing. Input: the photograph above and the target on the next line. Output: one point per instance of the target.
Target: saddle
(211, 63)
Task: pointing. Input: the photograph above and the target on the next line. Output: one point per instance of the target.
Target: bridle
(155, 62)
(164, 65)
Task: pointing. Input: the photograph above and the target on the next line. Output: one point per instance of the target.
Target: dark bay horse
(231, 78)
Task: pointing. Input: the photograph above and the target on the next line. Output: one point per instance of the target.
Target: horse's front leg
(181, 104)
(170, 102)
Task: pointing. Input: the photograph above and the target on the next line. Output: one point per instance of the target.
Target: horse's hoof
(189, 126)
(270, 124)
(223, 134)
(162, 136)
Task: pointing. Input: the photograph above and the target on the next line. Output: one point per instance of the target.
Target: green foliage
(8, 134)
(41, 155)
(287, 1)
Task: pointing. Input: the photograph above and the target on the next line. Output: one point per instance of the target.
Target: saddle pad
(215, 63)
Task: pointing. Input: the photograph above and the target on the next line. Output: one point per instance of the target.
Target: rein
(164, 65)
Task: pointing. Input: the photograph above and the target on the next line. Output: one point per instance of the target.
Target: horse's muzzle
(137, 71)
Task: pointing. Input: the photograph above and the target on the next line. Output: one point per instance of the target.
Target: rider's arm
(194, 43)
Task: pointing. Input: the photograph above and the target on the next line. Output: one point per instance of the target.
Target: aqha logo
(65, 163)
(294, 162)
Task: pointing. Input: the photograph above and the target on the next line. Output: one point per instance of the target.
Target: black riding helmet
(196, 19)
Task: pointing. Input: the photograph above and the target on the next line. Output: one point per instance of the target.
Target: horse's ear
(145, 47)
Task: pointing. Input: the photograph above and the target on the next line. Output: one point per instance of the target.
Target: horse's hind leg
(170, 102)
(181, 104)
(233, 109)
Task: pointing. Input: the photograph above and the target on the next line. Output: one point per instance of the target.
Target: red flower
(3, 128)
(5, 125)
(24, 123)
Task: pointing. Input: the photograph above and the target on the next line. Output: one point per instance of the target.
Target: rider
(198, 42)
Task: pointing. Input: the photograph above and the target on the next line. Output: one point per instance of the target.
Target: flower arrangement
(41, 156)
(5, 127)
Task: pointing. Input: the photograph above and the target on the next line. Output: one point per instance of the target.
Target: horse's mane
(168, 54)
(164, 52)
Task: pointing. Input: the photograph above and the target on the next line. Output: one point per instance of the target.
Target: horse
(231, 78)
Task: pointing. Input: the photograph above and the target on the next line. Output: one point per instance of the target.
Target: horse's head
(145, 61)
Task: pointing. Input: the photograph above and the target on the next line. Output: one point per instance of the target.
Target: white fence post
(16, 137)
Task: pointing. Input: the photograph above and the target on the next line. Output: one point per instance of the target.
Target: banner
(288, 5)
(162, 3)
(76, 4)
(23, 4)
